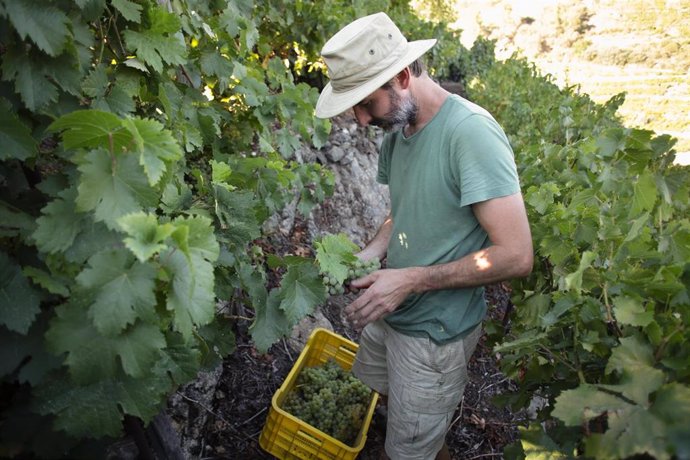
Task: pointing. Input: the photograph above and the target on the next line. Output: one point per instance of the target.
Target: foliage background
(144, 145)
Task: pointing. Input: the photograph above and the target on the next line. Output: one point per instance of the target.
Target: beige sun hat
(360, 58)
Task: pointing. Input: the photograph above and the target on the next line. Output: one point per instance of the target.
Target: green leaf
(124, 290)
(96, 83)
(30, 80)
(672, 405)
(611, 141)
(219, 341)
(92, 129)
(59, 223)
(44, 24)
(155, 146)
(537, 445)
(237, 216)
(270, 323)
(113, 187)
(15, 137)
(631, 311)
(301, 290)
(192, 296)
(47, 281)
(180, 359)
(644, 193)
(631, 432)
(632, 354)
(573, 281)
(158, 44)
(129, 10)
(220, 172)
(91, 356)
(533, 309)
(19, 301)
(633, 359)
(334, 253)
(94, 410)
(573, 407)
(214, 63)
(26, 353)
(146, 236)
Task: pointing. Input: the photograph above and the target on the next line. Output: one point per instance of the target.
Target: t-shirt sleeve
(484, 164)
(384, 161)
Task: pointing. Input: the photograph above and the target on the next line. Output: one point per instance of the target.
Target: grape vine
(357, 269)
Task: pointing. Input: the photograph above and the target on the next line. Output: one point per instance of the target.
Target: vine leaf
(190, 266)
(44, 24)
(15, 136)
(573, 281)
(30, 80)
(129, 10)
(93, 410)
(537, 445)
(270, 322)
(92, 129)
(146, 236)
(301, 290)
(159, 43)
(155, 146)
(113, 188)
(19, 301)
(91, 356)
(645, 193)
(123, 290)
(59, 224)
(26, 353)
(584, 403)
(334, 253)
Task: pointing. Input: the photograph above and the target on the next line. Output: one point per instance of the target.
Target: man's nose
(362, 115)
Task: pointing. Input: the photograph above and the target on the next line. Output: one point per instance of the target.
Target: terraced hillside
(641, 47)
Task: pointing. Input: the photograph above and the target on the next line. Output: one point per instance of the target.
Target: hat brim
(332, 103)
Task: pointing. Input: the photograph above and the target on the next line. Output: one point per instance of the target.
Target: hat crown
(362, 50)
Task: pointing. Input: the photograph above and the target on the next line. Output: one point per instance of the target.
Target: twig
(462, 404)
(253, 417)
(287, 350)
(218, 416)
(484, 455)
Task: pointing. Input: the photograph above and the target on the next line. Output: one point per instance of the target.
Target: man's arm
(510, 255)
(378, 246)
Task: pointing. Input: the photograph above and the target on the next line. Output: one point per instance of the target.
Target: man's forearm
(378, 246)
(480, 268)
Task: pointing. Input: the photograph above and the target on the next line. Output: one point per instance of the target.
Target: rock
(303, 329)
(188, 409)
(359, 203)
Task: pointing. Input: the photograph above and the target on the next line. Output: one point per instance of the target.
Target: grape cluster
(330, 399)
(357, 269)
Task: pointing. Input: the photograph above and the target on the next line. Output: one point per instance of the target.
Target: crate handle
(348, 350)
(310, 439)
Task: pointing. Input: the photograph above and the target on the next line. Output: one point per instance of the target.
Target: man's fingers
(364, 282)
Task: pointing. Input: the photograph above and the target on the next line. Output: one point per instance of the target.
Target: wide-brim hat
(361, 58)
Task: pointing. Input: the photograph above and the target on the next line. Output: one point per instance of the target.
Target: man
(457, 222)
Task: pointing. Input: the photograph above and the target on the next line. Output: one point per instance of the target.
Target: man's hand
(385, 291)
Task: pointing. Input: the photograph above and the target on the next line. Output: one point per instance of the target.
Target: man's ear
(404, 77)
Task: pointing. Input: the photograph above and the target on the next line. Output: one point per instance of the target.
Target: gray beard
(403, 113)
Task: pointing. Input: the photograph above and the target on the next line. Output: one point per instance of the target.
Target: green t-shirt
(460, 157)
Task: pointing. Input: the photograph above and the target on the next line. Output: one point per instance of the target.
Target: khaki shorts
(424, 383)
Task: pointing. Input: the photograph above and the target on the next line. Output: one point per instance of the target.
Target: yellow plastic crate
(286, 436)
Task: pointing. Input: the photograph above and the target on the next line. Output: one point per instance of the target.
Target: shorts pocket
(430, 400)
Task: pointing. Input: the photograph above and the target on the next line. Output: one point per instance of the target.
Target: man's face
(387, 108)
